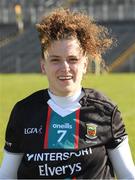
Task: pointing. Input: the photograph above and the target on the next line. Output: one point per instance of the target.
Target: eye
(73, 60)
(55, 60)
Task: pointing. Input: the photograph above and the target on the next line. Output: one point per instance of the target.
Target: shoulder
(36, 97)
(30, 106)
(99, 99)
(35, 100)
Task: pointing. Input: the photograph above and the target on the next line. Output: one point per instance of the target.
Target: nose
(65, 65)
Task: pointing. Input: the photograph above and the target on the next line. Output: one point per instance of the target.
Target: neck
(66, 101)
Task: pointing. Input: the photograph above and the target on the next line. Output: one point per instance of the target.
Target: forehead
(65, 47)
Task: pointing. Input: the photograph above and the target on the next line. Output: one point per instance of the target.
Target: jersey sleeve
(13, 132)
(117, 129)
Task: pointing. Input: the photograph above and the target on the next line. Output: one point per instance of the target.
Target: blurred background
(19, 44)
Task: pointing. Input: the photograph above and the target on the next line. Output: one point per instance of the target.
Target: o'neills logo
(91, 131)
(62, 126)
(33, 130)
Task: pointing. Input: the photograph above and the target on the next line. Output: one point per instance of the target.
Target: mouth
(64, 78)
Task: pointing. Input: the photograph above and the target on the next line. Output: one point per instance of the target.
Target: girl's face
(64, 66)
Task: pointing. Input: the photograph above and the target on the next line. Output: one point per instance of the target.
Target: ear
(42, 65)
(85, 65)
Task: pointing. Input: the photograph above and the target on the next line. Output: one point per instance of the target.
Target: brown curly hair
(63, 24)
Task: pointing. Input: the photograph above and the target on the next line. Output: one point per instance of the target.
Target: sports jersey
(65, 147)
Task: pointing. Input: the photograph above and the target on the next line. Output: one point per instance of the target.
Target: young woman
(67, 131)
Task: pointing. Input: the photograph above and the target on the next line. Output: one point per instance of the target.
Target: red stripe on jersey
(74, 178)
(47, 128)
(77, 129)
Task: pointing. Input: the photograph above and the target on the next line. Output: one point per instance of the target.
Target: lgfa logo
(33, 130)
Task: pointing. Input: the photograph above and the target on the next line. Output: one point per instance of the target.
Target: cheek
(52, 73)
(79, 73)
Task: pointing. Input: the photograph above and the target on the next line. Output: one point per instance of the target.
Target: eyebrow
(55, 56)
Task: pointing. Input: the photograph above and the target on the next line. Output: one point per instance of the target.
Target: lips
(65, 77)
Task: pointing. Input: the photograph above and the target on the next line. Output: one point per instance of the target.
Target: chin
(67, 91)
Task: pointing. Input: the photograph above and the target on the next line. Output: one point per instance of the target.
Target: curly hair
(63, 24)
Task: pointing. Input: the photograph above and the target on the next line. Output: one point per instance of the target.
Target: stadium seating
(21, 52)
(7, 30)
(124, 33)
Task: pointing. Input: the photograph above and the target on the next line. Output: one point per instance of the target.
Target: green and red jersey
(64, 147)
